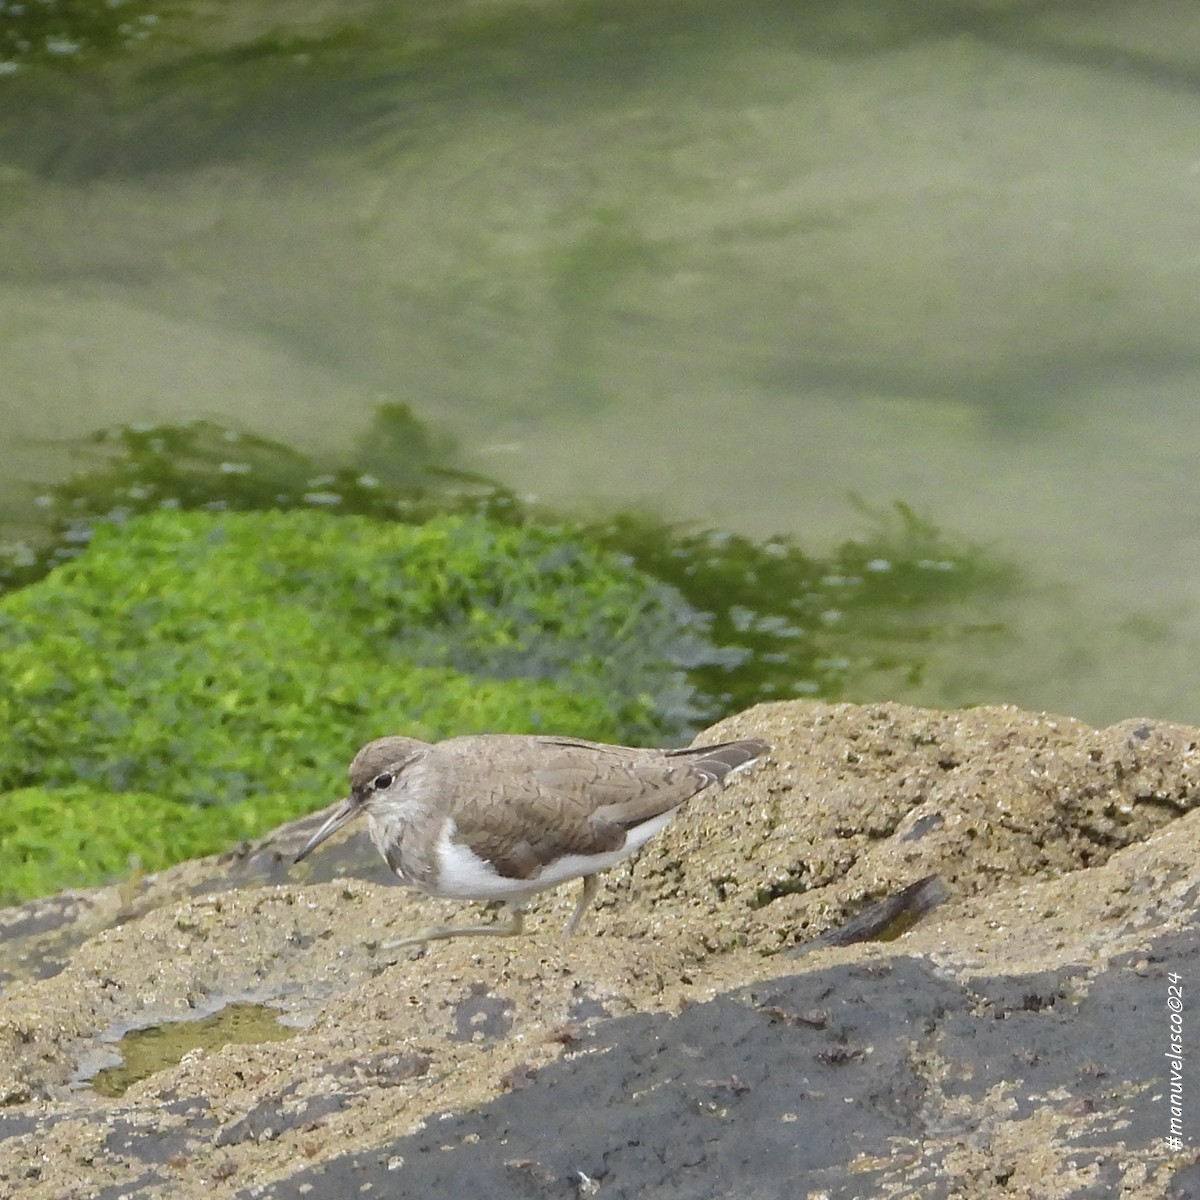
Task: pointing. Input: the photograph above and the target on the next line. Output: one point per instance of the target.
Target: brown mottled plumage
(502, 816)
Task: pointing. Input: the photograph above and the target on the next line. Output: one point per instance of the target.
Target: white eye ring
(383, 781)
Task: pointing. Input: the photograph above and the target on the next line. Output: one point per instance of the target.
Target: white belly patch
(463, 875)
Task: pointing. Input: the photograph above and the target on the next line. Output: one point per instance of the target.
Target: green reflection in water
(803, 625)
(776, 622)
(64, 31)
(146, 1051)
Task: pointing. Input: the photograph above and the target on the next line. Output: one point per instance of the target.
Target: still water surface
(730, 263)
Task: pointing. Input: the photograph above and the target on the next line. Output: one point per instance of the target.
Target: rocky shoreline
(1013, 1043)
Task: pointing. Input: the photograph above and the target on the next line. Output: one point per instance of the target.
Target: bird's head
(375, 777)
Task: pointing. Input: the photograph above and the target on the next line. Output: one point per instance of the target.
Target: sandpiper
(503, 816)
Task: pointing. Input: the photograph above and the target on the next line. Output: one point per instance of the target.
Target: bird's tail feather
(724, 758)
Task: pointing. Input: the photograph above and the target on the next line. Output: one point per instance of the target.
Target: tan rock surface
(1062, 846)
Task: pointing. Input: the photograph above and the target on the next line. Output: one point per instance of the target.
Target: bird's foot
(439, 933)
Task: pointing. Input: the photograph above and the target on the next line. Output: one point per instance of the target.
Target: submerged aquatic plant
(765, 619)
(58, 31)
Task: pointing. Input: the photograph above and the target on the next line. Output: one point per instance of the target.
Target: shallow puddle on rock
(145, 1051)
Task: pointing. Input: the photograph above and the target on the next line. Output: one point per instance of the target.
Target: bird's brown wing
(522, 802)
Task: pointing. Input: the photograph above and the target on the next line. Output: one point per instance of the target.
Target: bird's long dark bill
(342, 815)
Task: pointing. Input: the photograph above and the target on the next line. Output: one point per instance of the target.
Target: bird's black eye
(382, 782)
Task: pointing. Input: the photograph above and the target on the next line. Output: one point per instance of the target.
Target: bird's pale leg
(590, 884)
(437, 933)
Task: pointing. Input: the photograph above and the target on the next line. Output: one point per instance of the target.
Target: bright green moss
(66, 837)
(227, 666)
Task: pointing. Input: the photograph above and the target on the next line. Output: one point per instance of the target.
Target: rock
(1016, 1042)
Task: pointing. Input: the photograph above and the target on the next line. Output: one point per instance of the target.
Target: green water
(157, 1047)
(722, 264)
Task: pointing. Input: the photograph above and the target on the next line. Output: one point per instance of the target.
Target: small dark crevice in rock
(922, 826)
(886, 920)
(1177, 806)
(792, 884)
